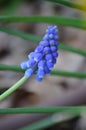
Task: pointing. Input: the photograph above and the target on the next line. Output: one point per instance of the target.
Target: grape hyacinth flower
(44, 57)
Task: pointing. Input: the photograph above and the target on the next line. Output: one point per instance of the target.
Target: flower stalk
(13, 88)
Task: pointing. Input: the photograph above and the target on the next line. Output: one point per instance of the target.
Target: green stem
(72, 49)
(68, 74)
(64, 21)
(43, 109)
(37, 39)
(21, 34)
(53, 72)
(40, 125)
(49, 121)
(13, 88)
(69, 4)
(11, 68)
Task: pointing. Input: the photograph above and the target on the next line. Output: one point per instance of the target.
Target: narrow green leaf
(69, 4)
(49, 121)
(53, 72)
(64, 21)
(68, 74)
(40, 125)
(14, 68)
(72, 49)
(37, 39)
(23, 35)
(40, 110)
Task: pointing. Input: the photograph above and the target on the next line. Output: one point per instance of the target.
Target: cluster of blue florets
(42, 60)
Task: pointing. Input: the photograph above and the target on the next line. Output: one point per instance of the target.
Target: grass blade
(53, 72)
(40, 110)
(69, 4)
(47, 122)
(68, 74)
(37, 39)
(72, 49)
(17, 33)
(40, 124)
(14, 68)
(64, 21)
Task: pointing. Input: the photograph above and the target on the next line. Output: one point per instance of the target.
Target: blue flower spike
(44, 57)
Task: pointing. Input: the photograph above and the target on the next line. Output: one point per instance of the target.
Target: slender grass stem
(14, 68)
(37, 39)
(21, 34)
(39, 125)
(74, 111)
(68, 74)
(13, 88)
(64, 21)
(49, 121)
(41, 110)
(72, 49)
(69, 4)
(53, 72)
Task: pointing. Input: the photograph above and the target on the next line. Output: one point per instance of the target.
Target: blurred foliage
(7, 11)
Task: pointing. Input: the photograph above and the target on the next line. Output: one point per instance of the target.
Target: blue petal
(46, 37)
(38, 78)
(56, 44)
(39, 49)
(40, 73)
(56, 37)
(52, 42)
(55, 54)
(54, 60)
(41, 64)
(31, 55)
(53, 48)
(49, 57)
(31, 63)
(47, 71)
(29, 72)
(46, 50)
(51, 36)
(44, 43)
(50, 65)
(38, 57)
(24, 65)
